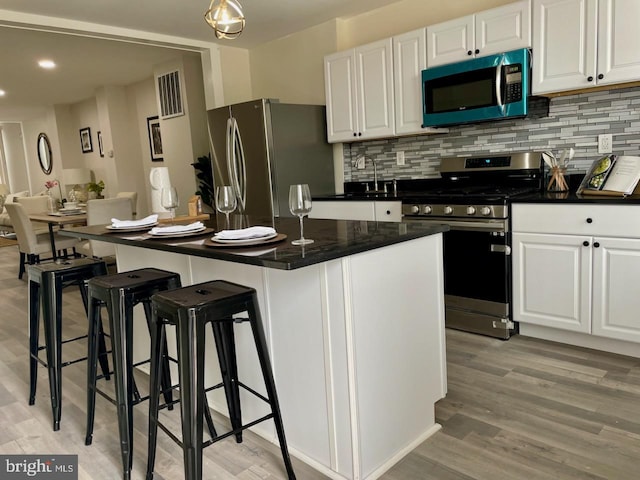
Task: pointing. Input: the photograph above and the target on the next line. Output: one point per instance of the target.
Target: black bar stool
(46, 282)
(119, 293)
(190, 309)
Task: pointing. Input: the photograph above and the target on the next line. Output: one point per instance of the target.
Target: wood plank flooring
(522, 409)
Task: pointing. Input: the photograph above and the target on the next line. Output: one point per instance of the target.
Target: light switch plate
(399, 158)
(605, 142)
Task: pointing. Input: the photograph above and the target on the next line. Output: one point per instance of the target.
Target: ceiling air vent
(170, 95)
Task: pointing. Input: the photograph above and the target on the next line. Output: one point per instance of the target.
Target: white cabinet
(359, 93)
(382, 211)
(409, 59)
(499, 29)
(599, 39)
(577, 267)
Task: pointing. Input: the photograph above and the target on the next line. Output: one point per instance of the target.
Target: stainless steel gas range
(472, 197)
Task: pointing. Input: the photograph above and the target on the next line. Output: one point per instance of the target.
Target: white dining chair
(133, 197)
(32, 245)
(100, 212)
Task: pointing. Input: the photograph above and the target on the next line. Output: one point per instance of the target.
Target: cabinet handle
(359, 134)
(589, 220)
(469, 52)
(355, 134)
(388, 212)
(600, 77)
(585, 243)
(477, 51)
(589, 78)
(596, 244)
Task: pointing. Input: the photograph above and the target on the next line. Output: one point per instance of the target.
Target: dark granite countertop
(572, 197)
(332, 239)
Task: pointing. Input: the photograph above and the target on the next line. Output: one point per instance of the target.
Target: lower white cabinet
(382, 211)
(583, 280)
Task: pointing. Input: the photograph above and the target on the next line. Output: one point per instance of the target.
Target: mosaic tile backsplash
(573, 121)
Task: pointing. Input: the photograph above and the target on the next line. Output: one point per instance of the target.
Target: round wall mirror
(44, 153)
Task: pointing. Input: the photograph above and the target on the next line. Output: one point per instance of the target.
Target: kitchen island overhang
(354, 324)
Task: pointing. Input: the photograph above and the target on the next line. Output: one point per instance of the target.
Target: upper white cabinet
(409, 59)
(583, 43)
(359, 93)
(499, 29)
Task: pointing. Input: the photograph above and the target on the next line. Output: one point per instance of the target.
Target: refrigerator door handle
(240, 170)
(231, 156)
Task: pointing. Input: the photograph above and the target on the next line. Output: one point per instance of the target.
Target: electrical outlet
(399, 158)
(605, 143)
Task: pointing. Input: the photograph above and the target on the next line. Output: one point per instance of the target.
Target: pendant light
(226, 18)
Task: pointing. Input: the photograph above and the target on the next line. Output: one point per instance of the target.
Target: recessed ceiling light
(2, 93)
(47, 64)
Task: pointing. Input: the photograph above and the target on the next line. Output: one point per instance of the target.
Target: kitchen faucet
(375, 175)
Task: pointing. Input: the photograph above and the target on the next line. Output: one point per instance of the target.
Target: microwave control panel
(513, 83)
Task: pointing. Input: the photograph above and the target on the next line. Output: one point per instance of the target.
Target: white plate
(135, 228)
(183, 232)
(244, 240)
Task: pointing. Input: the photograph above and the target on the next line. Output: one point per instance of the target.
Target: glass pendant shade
(226, 18)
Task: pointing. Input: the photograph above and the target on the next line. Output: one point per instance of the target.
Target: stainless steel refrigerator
(263, 146)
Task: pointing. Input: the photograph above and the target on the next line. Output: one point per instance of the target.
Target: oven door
(477, 275)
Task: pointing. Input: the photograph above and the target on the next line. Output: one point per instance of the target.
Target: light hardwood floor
(522, 409)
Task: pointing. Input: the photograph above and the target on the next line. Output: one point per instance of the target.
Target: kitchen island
(354, 324)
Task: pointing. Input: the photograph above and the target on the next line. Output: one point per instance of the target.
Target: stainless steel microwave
(486, 88)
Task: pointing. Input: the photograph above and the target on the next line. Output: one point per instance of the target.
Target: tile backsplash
(573, 121)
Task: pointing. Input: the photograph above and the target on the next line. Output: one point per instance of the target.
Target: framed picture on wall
(155, 139)
(100, 146)
(85, 140)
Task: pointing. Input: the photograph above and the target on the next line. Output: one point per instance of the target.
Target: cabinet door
(409, 59)
(450, 42)
(618, 41)
(616, 276)
(340, 92)
(374, 70)
(564, 45)
(503, 29)
(552, 281)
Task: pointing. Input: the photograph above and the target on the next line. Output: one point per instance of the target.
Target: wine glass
(226, 201)
(300, 205)
(169, 200)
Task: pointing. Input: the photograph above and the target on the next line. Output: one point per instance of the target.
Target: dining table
(60, 220)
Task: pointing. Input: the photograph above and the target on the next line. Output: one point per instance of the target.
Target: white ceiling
(86, 63)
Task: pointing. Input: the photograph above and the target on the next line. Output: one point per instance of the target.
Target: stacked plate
(71, 211)
(251, 235)
(133, 225)
(194, 228)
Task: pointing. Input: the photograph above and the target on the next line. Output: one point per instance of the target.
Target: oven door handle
(499, 226)
(506, 249)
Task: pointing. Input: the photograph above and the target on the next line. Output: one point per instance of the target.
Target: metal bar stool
(46, 282)
(190, 309)
(119, 293)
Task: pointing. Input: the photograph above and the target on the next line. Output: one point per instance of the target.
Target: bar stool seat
(190, 309)
(119, 293)
(46, 282)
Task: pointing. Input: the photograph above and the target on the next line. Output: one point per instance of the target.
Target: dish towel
(151, 219)
(245, 233)
(177, 228)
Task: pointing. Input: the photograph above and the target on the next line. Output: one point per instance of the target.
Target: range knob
(486, 211)
(427, 209)
(471, 210)
(448, 210)
(415, 209)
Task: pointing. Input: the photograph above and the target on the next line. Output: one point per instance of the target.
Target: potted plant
(96, 188)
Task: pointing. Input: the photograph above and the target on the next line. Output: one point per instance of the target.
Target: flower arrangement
(50, 184)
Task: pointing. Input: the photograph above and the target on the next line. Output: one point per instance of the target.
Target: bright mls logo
(40, 467)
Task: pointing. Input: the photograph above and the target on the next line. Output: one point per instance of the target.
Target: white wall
(15, 156)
